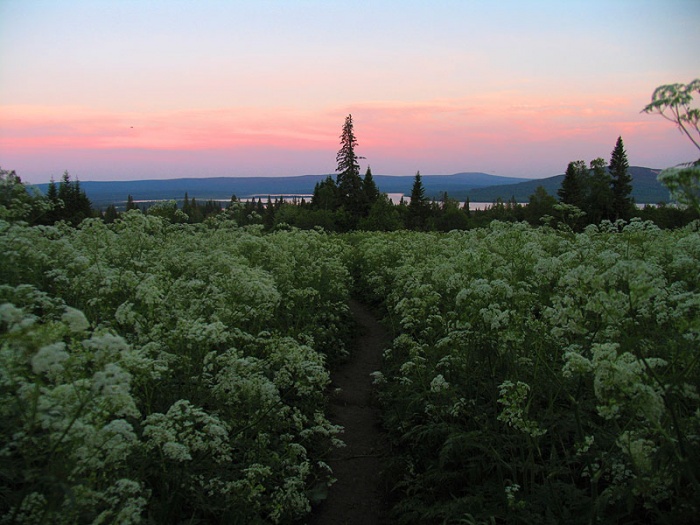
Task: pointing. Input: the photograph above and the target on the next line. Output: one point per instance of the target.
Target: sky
(147, 89)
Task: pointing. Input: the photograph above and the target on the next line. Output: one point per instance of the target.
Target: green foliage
(17, 203)
(674, 102)
(684, 184)
(68, 202)
(539, 375)
(418, 208)
(621, 185)
(192, 386)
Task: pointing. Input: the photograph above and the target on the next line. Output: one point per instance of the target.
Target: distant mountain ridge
(103, 193)
(477, 186)
(646, 189)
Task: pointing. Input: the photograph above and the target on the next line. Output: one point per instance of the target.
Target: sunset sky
(122, 89)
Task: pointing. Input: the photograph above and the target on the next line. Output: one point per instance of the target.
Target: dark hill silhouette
(646, 189)
(103, 193)
(477, 186)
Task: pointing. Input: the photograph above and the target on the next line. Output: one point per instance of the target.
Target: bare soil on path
(358, 497)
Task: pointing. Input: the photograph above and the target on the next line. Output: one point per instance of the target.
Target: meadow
(154, 372)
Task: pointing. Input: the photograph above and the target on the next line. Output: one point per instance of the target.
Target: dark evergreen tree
(76, 205)
(540, 204)
(195, 212)
(348, 167)
(186, 206)
(622, 203)
(52, 192)
(211, 207)
(466, 208)
(269, 215)
(419, 207)
(130, 204)
(383, 216)
(351, 196)
(325, 195)
(110, 214)
(573, 187)
(599, 197)
(55, 204)
(450, 216)
(370, 188)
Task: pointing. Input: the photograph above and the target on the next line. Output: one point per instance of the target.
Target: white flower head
(49, 359)
(75, 319)
(438, 384)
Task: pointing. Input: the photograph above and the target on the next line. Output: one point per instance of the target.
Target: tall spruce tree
(351, 196)
(348, 167)
(622, 203)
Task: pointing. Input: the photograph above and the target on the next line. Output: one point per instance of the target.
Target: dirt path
(357, 498)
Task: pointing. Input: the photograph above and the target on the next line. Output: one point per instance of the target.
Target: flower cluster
(563, 362)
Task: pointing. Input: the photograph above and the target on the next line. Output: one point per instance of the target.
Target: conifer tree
(269, 215)
(130, 204)
(110, 214)
(54, 203)
(419, 207)
(350, 190)
(622, 204)
(370, 188)
(599, 197)
(572, 190)
(348, 167)
(76, 205)
(325, 195)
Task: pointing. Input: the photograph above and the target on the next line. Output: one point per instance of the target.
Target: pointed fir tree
(348, 167)
(419, 206)
(350, 191)
(76, 205)
(622, 202)
(54, 203)
(370, 188)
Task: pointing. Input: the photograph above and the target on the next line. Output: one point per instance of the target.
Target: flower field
(169, 373)
(158, 373)
(540, 376)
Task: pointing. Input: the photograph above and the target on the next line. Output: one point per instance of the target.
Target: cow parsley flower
(438, 384)
(75, 319)
(50, 359)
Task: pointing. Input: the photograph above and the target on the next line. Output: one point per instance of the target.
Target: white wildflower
(378, 378)
(75, 319)
(10, 314)
(50, 359)
(176, 451)
(438, 384)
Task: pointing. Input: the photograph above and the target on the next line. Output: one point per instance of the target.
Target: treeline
(589, 194)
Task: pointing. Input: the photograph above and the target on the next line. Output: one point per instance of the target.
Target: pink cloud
(501, 132)
(37, 128)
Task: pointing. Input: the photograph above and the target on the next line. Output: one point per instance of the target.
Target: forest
(159, 369)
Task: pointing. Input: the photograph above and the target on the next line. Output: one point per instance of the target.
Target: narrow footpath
(357, 498)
